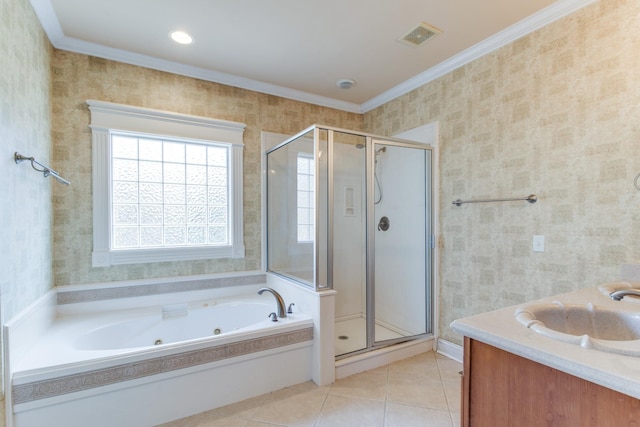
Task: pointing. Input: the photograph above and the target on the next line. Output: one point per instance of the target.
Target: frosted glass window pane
(217, 215)
(303, 216)
(197, 214)
(125, 237)
(306, 200)
(151, 215)
(196, 194)
(217, 195)
(217, 156)
(150, 171)
(125, 170)
(125, 192)
(303, 233)
(174, 194)
(217, 176)
(124, 147)
(196, 174)
(168, 193)
(150, 236)
(303, 199)
(173, 152)
(150, 149)
(196, 154)
(150, 193)
(197, 235)
(217, 235)
(174, 236)
(174, 214)
(303, 166)
(174, 173)
(125, 214)
(303, 182)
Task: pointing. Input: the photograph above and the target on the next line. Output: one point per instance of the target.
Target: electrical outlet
(538, 243)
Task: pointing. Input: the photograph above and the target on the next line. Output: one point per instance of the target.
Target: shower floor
(355, 331)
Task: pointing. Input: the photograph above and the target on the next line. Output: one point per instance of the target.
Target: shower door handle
(383, 225)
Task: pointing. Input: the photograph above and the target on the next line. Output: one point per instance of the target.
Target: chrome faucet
(282, 312)
(619, 294)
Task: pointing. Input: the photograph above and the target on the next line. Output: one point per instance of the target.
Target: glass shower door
(349, 241)
(401, 226)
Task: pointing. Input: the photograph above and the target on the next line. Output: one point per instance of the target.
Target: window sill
(145, 256)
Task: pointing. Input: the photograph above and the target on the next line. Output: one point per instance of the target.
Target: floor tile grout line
(421, 365)
(386, 396)
(324, 402)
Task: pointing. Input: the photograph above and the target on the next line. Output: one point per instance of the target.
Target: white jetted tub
(94, 364)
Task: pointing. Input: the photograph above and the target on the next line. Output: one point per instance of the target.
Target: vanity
(568, 360)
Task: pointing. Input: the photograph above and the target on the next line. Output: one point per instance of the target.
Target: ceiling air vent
(420, 34)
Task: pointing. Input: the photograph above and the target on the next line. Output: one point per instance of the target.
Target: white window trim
(108, 116)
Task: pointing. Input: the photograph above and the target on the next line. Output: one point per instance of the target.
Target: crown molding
(46, 14)
(48, 19)
(93, 49)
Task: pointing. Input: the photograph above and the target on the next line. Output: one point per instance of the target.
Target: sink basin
(586, 325)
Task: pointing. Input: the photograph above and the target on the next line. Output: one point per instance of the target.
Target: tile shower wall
(77, 78)
(555, 113)
(26, 264)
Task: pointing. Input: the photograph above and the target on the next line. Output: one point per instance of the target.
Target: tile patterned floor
(422, 391)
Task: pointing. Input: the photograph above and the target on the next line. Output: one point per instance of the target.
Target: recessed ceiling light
(346, 83)
(181, 37)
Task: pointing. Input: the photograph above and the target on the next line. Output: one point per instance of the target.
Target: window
(168, 192)
(167, 187)
(305, 197)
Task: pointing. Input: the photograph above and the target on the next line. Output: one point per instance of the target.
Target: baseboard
(449, 349)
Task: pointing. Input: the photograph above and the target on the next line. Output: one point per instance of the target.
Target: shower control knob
(383, 225)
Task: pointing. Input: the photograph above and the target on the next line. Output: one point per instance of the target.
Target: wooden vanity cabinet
(500, 389)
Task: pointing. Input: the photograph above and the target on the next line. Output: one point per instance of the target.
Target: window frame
(107, 117)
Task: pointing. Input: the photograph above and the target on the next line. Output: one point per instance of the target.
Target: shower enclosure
(352, 212)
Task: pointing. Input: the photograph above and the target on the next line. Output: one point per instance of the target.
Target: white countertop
(501, 329)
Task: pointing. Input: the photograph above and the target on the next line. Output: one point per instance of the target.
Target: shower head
(378, 151)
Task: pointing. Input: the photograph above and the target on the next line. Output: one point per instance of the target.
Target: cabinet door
(502, 389)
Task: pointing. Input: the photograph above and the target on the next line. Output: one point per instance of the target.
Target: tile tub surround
(25, 389)
(501, 329)
(75, 294)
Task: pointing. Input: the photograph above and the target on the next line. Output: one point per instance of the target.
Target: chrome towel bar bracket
(531, 198)
(45, 170)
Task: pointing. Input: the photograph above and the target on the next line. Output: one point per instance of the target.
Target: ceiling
(298, 49)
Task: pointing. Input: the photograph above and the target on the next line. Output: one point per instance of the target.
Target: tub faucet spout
(282, 312)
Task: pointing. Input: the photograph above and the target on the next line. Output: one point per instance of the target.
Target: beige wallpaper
(556, 113)
(26, 264)
(77, 78)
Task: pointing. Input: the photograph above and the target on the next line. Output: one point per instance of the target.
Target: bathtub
(146, 361)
